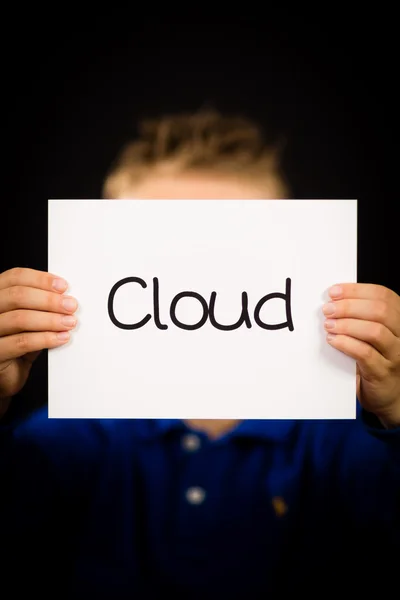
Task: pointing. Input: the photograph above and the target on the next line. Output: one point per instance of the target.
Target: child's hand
(32, 317)
(363, 321)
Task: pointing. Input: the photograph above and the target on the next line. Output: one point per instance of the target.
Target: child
(202, 508)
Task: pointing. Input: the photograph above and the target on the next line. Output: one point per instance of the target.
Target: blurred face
(198, 186)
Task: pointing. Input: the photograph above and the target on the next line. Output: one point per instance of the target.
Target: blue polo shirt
(149, 509)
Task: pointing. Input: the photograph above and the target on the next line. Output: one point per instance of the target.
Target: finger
(17, 297)
(372, 365)
(367, 310)
(376, 334)
(16, 321)
(365, 291)
(14, 346)
(32, 278)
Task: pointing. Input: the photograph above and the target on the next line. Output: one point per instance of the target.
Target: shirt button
(195, 495)
(191, 442)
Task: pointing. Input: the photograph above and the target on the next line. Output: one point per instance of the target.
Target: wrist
(4, 406)
(390, 424)
(390, 419)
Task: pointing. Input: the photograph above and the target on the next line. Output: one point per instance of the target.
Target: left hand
(365, 324)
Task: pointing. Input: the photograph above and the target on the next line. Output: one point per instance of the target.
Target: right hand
(32, 318)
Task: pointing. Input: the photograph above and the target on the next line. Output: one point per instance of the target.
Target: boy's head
(194, 156)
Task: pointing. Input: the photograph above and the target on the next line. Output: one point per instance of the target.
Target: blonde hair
(202, 141)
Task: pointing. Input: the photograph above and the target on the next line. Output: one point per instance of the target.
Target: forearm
(388, 434)
(368, 483)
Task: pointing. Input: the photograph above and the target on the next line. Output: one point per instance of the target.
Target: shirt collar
(266, 429)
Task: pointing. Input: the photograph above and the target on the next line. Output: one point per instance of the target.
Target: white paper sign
(175, 308)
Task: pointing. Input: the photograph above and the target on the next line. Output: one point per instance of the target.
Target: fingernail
(335, 291)
(69, 303)
(328, 309)
(63, 335)
(330, 337)
(68, 321)
(330, 324)
(59, 285)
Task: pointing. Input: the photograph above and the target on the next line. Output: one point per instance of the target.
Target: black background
(72, 94)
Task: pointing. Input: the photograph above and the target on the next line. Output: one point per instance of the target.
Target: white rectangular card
(159, 281)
